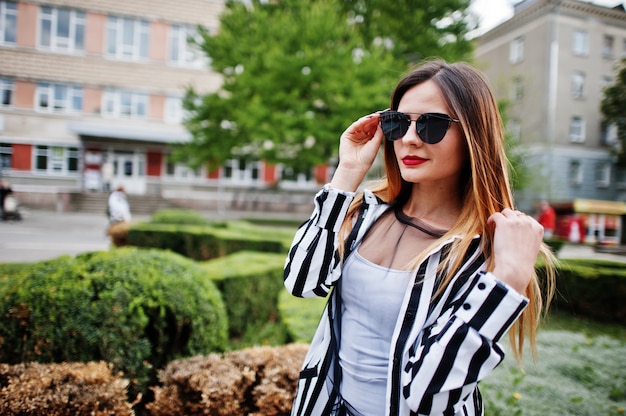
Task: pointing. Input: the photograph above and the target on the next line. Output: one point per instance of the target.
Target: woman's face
(429, 164)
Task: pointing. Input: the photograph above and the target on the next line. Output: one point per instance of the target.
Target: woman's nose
(411, 137)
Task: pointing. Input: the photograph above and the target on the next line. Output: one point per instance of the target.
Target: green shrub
(300, 315)
(250, 283)
(180, 216)
(204, 242)
(137, 309)
(593, 288)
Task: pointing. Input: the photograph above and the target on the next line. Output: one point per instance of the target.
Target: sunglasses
(430, 127)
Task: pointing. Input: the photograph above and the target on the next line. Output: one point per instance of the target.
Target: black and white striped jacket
(441, 347)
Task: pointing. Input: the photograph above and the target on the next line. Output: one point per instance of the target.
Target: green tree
(613, 109)
(296, 73)
(520, 176)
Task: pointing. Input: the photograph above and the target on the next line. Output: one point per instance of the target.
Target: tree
(613, 109)
(296, 73)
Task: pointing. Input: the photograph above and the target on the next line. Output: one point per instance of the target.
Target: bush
(592, 288)
(137, 309)
(259, 381)
(202, 242)
(65, 389)
(300, 316)
(181, 217)
(249, 283)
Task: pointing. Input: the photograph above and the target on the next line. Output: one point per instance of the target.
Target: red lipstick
(413, 160)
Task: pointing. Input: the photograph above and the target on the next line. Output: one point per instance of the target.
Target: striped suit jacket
(441, 347)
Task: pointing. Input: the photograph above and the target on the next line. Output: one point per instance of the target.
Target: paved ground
(43, 235)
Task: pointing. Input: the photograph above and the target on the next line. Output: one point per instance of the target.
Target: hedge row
(592, 288)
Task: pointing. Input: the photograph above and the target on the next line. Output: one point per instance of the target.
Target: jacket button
(466, 306)
(482, 286)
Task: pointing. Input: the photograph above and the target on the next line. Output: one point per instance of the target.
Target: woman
(429, 269)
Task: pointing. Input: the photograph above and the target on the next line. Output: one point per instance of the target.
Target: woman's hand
(516, 242)
(358, 147)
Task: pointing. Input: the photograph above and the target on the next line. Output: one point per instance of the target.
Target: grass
(580, 370)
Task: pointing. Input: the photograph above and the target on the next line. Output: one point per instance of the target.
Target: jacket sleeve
(312, 265)
(461, 348)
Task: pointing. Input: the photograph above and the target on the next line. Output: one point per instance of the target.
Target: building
(91, 99)
(551, 62)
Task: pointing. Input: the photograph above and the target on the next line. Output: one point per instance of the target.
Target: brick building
(91, 99)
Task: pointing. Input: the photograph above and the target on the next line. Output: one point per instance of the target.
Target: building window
(123, 103)
(603, 174)
(61, 29)
(578, 84)
(181, 171)
(182, 50)
(6, 152)
(607, 46)
(127, 38)
(56, 159)
(174, 110)
(516, 51)
(242, 171)
(580, 44)
(517, 89)
(59, 98)
(577, 130)
(6, 92)
(8, 22)
(575, 173)
(609, 134)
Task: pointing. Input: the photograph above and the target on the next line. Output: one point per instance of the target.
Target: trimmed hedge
(137, 309)
(249, 283)
(203, 242)
(180, 216)
(592, 288)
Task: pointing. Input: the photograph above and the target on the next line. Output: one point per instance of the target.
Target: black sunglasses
(431, 127)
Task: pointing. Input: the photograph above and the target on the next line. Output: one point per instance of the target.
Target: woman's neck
(436, 206)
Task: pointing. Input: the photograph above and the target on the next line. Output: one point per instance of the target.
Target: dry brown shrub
(62, 389)
(255, 381)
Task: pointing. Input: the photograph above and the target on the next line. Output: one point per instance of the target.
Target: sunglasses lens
(431, 128)
(394, 124)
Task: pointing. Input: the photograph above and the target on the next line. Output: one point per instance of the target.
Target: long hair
(485, 187)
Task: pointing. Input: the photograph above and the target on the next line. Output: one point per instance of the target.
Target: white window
(516, 50)
(8, 22)
(580, 45)
(59, 98)
(517, 89)
(603, 174)
(174, 110)
(577, 129)
(182, 50)
(242, 171)
(578, 84)
(124, 103)
(6, 92)
(609, 134)
(127, 38)
(607, 46)
(181, 171)
(575, 173)
(61, 29)
(6, 152)
(56, 159)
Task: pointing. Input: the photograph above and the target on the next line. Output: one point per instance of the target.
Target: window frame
(7, 87)
(8, 14)
(577, 123)
(578, 81)
(575, 173)
(58, 160)
(75, 39)
(71, 93)
(117, 97)
(115, 34)
(516, 50)
(6, 154)
(580, 42)
(603, 174)
(607, 48)
(187, 54)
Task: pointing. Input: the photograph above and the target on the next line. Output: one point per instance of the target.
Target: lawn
(580, 370)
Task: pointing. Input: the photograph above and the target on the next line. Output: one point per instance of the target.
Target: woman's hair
(485, 188)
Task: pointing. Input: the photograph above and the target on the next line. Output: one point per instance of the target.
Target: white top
(371, 299)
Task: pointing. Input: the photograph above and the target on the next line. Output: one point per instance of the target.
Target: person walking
(429, 268)
(119, 214)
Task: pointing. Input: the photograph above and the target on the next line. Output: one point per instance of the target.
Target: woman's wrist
(347, 179)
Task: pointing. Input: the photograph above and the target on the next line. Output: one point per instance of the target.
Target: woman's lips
(413, 160)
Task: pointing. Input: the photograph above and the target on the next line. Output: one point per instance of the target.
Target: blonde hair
(486, 188)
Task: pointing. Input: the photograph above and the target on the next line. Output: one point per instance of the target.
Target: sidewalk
(44, 235)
